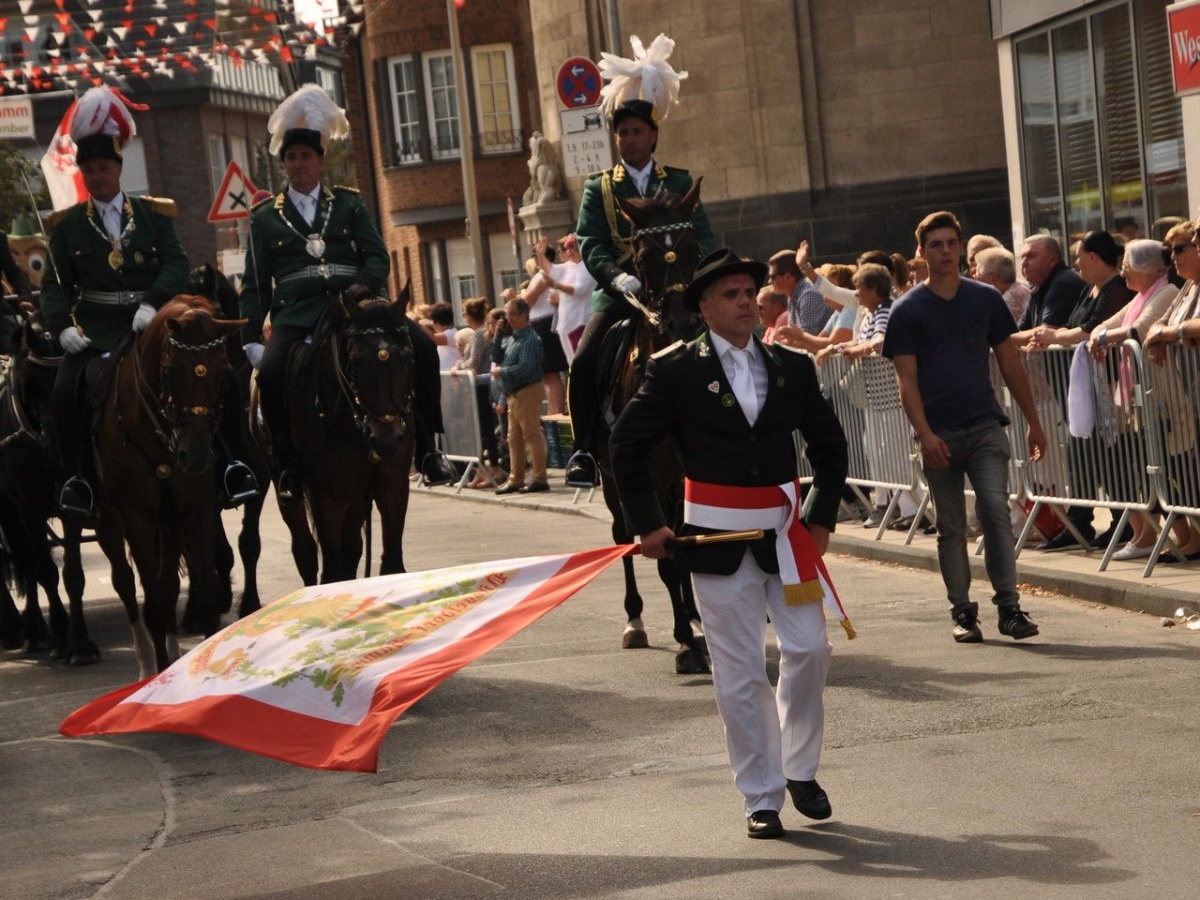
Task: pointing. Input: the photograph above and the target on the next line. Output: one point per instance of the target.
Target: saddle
(614, 350)
(97, 376)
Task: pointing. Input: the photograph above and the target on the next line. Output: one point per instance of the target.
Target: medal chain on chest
(116, 258)
(314, 244)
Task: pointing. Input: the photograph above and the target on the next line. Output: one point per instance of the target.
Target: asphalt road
(560, 766)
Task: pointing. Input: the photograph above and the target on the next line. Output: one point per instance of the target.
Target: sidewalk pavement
(1069, 573)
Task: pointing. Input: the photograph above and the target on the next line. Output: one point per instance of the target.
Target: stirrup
(76, 497)
(582, 471)
(436, 469)
(240, 483)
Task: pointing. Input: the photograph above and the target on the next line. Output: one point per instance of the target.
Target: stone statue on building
(545, 183)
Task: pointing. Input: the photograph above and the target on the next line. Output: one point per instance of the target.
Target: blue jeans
(980, 453)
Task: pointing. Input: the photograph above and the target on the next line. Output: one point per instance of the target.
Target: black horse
(666, 253)
(208, 281)
(30, 474)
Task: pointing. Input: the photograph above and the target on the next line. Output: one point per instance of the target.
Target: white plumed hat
(647, 77)
(308, 116)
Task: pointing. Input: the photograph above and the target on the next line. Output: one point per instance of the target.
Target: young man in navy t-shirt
(938, 337)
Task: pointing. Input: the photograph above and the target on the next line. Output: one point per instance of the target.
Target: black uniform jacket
(687, 396)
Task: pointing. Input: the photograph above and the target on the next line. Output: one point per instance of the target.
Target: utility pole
(467, 146)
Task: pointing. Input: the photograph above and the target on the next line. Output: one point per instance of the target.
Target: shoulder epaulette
(346, 189)
(665, 350)
(599, 174)
(270, 199)
(55, 217)
(164, 206)
(676, 169)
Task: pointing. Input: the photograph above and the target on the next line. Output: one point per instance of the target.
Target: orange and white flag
(318, 677)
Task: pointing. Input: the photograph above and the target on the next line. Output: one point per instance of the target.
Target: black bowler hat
(97, 146)
(637, 109)
(301, 136)
(717, 265)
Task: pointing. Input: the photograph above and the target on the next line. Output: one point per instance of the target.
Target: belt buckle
(323, 270)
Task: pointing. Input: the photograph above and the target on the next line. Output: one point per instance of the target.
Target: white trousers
(771, 735)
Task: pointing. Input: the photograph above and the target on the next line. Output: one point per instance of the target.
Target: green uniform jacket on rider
(292, 266)
(603, 230)
(82, 258)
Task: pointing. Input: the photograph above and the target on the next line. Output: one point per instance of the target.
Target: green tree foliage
(14, 199)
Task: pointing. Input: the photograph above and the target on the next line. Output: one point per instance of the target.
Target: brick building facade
(842, 123)
(400, 95)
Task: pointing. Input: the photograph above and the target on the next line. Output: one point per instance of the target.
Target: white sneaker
(1133, 551)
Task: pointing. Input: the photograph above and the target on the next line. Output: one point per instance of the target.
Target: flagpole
(467, 145)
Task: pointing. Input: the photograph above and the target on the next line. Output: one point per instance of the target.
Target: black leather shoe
(437, 469)
(966, 628)
(1064, 540)
(581, 470)
(289, 487)
(240, 484)
(77, 498)
(810, 799)
(1015, 622)
(509, 488)
(535, 487)
(764, 823)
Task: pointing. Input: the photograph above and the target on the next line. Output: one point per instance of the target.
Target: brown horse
(666, 253)
(354, 428)
(154, 445)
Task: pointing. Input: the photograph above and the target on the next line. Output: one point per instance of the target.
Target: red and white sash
(732, 508)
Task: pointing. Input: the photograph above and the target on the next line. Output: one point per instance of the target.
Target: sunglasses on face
(1176, 249)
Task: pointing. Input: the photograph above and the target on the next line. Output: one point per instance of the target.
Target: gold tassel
(851, 634)
(806, 592)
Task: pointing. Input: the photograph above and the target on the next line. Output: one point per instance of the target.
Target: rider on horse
(604, 241)
(309, 244)
(114, 260)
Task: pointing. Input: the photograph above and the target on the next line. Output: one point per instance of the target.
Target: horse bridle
(347, 385)
(663, 237)
(167, 418)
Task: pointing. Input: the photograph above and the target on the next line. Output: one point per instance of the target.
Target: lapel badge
(779, 381)
(727, 400)
(714, 386)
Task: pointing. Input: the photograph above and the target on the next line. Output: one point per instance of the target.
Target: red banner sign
(1183, 23)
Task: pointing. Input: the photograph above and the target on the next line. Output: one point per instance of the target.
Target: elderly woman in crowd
(1145, 270)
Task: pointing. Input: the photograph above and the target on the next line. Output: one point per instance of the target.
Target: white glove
(73, 340)
(627, 284)
(254, 353)
(141, 318)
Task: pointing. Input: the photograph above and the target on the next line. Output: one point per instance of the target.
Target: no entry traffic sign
(578, 82)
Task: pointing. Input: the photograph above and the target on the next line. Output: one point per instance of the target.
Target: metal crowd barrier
(462, 440)
(1172, 392)
(866, 398)
(1110, 466)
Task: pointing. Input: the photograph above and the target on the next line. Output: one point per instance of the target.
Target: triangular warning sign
(233, 197)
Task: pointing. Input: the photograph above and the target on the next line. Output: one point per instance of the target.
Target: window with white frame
(441, 97)
(217, 160)
(498, 120)
(406, 110)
